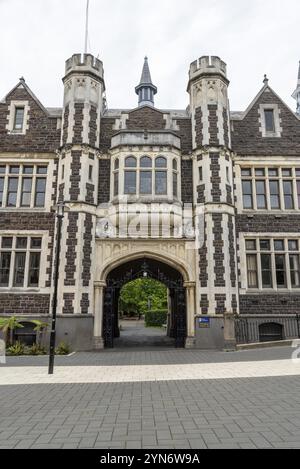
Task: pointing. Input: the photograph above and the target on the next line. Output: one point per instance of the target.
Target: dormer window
(269, 120)
(19, 118)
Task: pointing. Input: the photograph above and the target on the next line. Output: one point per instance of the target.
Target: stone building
(203, 199)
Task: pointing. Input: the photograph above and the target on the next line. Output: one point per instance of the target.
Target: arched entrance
(139, 268)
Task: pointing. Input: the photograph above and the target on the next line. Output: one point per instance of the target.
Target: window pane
(298, 193)
(146, 182)
(293, 245)
(247, 194)
(297, 172)
(280, 271)
(269, 120)
(19, 118)
(14, 169)
(146, 162)
(251, 244)
(5, 259)
(19, 270)
(21, 243)
(259, 172)
(34, 269)
(295, 271)
(288, 194)
(161, 182)
(175, 166)
(36, 243)
(130, 182)
(246, 172)
(28, 170)
(286, 172)
(175, 184)
(130, 162)
(273, 172)
(26, 192)
(2, 169)
(252, 271)
(12, 192)
(261, 194)
(40, 192)
(279, 245)
(1, 190)
(41, 170)
(160, 162)
(265, 244)
(266, 272)
(117, 164)
(116, 184)
(274, 195)
(7, 242)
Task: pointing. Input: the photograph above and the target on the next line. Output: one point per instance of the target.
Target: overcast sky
(254, 37)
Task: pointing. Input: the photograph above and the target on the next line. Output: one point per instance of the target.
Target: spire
(296, 94)
(146, 90)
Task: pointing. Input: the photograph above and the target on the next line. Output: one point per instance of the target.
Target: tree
(135, 295)
(40, 329)
(8, 326)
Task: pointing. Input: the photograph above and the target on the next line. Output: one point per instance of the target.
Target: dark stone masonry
(76, 152)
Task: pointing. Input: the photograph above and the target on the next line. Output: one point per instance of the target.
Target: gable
(145, 118)
(247, 134)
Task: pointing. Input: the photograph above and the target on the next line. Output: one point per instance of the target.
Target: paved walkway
(191, 399)
(135, 334)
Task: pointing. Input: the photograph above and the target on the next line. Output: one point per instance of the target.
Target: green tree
(8, 326)
(136, 295)
(40, 329)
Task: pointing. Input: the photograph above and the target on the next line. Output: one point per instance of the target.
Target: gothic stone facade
(237, 172)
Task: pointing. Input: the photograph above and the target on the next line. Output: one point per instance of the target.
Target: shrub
(36, 349)
(156, 318)
(17, 349)
(63, 349)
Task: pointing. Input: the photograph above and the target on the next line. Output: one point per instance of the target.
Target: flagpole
(86, 27)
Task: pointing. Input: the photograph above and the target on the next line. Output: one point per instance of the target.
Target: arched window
(161, 186)
(175, 178)
(116, 177)
(130, 162)
(146, 162)
(130, 176)
(146, 175)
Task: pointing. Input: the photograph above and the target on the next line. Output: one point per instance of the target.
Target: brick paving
(232, 412)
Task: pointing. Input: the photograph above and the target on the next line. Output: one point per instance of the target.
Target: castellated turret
(208, 89)
(78, 177)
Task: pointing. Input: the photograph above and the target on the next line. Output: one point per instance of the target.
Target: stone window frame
(43, 259)
(272, 237)
(11, 117)
(119, 173)
(21, 175)
(277, 120)
(253, 178)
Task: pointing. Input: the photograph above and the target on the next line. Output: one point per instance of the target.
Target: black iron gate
(144, 269)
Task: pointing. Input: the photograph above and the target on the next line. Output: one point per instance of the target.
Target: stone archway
(139, 268)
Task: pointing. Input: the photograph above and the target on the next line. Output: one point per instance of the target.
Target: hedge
(156, 318)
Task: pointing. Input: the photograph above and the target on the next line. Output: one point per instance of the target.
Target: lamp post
(60, 209)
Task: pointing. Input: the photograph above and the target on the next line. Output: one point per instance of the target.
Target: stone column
(98, 315)
(229, 332)
(190, 312)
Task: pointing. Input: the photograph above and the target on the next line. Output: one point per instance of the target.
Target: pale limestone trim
(11, 117)
(277, 120)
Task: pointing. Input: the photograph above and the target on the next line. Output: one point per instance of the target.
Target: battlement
(207, 65)
(84, 63)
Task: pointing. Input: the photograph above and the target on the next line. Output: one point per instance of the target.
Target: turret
(208, 89)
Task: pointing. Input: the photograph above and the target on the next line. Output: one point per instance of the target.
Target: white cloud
(257, 37)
